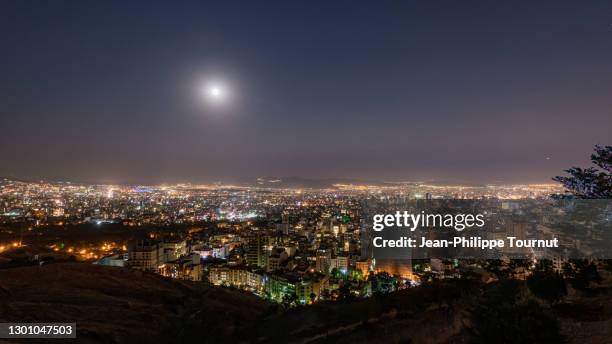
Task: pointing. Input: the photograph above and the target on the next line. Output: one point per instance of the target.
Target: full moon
(215, 92)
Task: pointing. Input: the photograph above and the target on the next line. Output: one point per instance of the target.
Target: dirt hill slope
(115, 304)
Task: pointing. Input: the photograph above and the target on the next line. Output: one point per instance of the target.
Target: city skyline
(480, 93)
(306, 171)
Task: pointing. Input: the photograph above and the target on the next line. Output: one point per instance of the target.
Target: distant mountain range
(297, 182)
(270, 182)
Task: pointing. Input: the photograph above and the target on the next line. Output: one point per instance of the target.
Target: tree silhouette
(592, 182)
(546, 283)
(289, 300)
(581, 273)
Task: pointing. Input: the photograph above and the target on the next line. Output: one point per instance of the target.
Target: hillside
(115, 305)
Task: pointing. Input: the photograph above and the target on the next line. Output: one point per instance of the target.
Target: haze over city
(124, 92)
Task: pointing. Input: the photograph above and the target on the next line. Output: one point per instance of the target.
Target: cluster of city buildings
(48, 203)
(300, 260)
(293, 246)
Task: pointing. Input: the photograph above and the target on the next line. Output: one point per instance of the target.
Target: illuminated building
(58, 212)
(278, 286)
(365, 266)
(256, 250)
(323, 260)
(340, 262)
(395, 267)
(237, 277)
(187, 268)
(276, 258)
(312, 285)
(145, 255)
(172, 249)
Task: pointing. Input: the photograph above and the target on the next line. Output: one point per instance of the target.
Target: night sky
(110, 91)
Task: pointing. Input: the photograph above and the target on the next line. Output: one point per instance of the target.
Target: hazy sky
(393, 90)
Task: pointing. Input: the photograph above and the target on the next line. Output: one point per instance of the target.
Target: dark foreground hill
(119, 305)
(115, 305)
